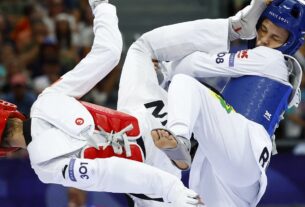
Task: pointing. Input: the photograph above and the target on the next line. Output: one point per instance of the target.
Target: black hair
(8, 132)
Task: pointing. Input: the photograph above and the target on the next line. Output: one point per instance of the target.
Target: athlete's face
(270, 35)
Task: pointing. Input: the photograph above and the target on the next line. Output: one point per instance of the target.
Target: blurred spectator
(2, 78)
(20, 93)
(104, 92)
(54, 7)
(4, 29)
(51, 73)
(65, 37)
(22, 36)
(48, 52)
(8, 54)
(83, 18)
(40, 32)
(13, 66)
(72, 4)
(2, 23)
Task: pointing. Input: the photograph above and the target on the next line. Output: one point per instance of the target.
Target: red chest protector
(112, 122)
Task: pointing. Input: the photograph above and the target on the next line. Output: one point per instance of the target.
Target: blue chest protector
(259, 99)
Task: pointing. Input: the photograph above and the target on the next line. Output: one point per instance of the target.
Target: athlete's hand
(244, 22)
(187, 198)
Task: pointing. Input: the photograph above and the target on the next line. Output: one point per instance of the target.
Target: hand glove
(180, 196)
(243, 24)
(187, 198)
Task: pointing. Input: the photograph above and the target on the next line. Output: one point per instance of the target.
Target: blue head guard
(290, 15)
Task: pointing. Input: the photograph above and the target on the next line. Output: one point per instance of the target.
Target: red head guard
(7, 110)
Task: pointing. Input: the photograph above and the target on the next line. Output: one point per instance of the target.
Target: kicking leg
(222, 133)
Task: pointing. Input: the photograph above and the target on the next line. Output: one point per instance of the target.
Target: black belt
(131, 203)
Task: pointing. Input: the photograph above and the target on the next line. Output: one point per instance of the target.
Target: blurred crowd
(40, 40)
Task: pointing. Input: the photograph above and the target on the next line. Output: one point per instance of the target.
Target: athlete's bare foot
(163, 139)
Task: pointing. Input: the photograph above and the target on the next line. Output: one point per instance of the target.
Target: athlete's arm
(169, 43)
(260, 61)
(103, 57)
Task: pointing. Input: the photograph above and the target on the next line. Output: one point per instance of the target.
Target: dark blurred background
(42, 39)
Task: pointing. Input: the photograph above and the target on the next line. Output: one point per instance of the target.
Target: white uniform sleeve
(139, 83)
(260, 61)
(173, 42)
(102, 58)
(110, 175)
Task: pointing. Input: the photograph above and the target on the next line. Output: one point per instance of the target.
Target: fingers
(192, 197)
(191, 193)
(192, 201)
(186, 198)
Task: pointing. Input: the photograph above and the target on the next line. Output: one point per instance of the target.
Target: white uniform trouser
(224, 171)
